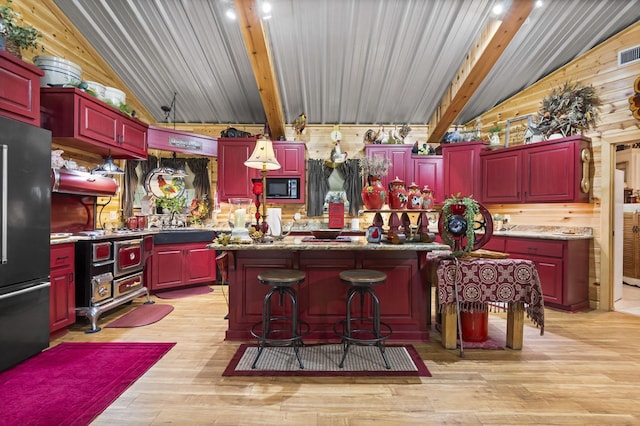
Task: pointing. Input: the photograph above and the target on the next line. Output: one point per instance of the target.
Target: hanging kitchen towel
(274, 220)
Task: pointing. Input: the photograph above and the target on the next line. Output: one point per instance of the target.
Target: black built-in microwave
(283, 188)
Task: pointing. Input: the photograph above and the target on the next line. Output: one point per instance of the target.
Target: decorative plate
(162, 185)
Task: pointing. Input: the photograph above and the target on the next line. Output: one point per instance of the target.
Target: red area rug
(324, 360)
(142, 315)
(71, 383)
(184, 292)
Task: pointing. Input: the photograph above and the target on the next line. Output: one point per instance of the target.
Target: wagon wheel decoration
(457, 225)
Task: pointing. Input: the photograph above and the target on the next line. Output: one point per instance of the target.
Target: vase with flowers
(15, 33)
(374, 196)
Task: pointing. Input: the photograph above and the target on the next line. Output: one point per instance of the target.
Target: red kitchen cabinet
(428, 170)
(461, 162)
(20, 94)
(400, 158)
(62, 302)
(563, 267)
(80, 120)
(234, 178)
(177, 265)
(291, 157)
(544, 172)
(501, 177)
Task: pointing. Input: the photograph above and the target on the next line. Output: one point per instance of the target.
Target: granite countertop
(353, 243)
(546, 232)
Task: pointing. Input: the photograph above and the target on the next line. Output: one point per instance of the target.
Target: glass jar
(240, 212)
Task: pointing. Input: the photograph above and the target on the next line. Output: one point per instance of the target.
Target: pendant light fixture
(108, 168)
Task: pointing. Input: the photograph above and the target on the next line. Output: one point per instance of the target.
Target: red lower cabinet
(177, 265)
(563, 267)
(62, 304)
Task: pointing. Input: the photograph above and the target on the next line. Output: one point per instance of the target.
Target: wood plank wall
(597, 67)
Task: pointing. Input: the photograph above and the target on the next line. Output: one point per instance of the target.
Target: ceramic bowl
(115, 96)
(97, 88)
(57, 71)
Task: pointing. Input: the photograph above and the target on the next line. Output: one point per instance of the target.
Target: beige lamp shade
(263, 156)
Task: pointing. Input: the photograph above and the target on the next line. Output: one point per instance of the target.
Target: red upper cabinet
(428, 170)
(20, 89)
(81, 120)
(400, 158)
(461, 162)
(544, 172)
(501, 177)
(234, 178)
(291, 157)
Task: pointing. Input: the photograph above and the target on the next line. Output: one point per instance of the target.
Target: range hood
(82, 183)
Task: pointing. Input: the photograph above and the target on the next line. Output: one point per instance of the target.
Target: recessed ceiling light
(539, 3)
(231, 14)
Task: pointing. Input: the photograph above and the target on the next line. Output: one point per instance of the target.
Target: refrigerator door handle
(25, 290)
(4, 197)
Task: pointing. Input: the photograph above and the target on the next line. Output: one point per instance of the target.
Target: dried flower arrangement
(569, 109)
(374, 166)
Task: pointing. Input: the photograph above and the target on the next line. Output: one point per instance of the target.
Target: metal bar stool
(280, 330)
(369, 330)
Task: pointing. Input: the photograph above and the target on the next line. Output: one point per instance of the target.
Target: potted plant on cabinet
(16, 34)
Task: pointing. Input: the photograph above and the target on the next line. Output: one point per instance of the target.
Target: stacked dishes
(57, 71)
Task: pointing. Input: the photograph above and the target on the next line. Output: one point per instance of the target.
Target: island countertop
(295, 243)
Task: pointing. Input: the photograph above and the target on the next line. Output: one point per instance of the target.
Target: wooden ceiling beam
(480, 60)
(257, 46)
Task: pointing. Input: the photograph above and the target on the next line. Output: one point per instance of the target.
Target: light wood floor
(584, 370)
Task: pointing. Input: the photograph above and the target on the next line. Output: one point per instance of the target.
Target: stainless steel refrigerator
(25, 215)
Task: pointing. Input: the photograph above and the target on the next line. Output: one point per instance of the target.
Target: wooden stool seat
(281, 277)
(363, 277)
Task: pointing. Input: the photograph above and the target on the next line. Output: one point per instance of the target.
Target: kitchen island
(405, 299)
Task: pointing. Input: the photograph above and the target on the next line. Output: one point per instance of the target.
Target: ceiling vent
(629, 56)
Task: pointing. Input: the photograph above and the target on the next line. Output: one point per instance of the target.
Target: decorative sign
(186, 144)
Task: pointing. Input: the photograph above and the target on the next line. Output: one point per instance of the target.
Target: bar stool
(280, 330)
(369, 330)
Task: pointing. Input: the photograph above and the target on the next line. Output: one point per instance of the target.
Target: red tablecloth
(482, 281)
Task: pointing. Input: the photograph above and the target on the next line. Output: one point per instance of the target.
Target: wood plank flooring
(584, 370)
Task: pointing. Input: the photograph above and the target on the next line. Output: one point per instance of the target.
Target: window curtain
(147, 166)
(129, 187)
(350, 171)
(317, 186)
(201, 183)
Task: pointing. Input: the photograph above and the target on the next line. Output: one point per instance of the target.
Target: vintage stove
(110, 270)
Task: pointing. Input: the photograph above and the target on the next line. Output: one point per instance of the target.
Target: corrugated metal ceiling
(339, 61)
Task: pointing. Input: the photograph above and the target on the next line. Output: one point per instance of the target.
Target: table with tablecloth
(510, 284)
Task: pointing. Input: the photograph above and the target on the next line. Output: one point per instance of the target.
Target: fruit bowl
(326, 234)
